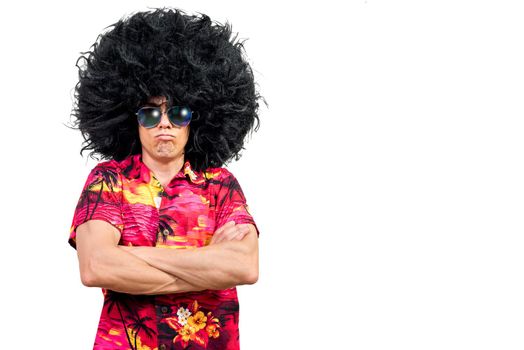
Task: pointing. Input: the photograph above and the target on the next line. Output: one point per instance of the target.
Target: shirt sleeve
(231, 203)
(100, 199)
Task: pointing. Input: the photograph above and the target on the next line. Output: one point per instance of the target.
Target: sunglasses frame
(167, 112)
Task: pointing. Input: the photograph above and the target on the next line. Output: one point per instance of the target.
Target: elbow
(246, 274)
(251, 273)
(87, 278)
(251, 278)
(88, 274)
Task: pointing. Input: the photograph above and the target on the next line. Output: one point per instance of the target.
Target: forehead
(157, 99)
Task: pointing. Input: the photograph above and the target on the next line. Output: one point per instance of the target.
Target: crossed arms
(229, 260)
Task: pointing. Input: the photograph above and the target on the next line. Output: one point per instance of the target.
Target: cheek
(185, 135)
(145, 138)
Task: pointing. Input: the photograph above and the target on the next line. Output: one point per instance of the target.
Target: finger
(225, 235)
(244, 231)
(215, 238)
(218, 233)
(226, 225)
(218, 239)
(236, 233)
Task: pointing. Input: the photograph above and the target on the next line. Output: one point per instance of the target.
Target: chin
(165, 149)
(165, 155)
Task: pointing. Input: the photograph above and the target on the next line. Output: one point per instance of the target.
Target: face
(170, 146)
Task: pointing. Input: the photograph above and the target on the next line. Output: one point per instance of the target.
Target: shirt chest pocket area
(186, 220)
(140, 224)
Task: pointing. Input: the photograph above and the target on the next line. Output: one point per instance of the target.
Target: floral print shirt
(184, 215)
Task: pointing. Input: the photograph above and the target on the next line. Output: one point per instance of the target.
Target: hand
(229, 231)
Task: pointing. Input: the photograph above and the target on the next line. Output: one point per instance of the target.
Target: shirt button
(166, 232)
(162, 347)
(164, 309)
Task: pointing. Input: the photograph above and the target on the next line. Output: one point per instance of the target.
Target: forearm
(218, 266)
(118, 270)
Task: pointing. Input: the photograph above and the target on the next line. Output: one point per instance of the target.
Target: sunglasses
(149, 117)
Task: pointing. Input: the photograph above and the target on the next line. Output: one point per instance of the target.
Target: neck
(163, 168)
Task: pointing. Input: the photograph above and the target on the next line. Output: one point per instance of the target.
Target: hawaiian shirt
(183, 215)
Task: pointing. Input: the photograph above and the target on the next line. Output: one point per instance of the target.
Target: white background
(386, 177)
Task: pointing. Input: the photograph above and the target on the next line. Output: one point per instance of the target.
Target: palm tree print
(164, 224)
(116, 298)
(232, 188)
(101, 176)
(139, 323)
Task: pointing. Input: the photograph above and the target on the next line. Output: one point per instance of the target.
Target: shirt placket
(162, 309)
(159, 199)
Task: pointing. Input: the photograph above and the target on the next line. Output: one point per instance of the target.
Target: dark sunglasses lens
(149, 117)
(180, 115)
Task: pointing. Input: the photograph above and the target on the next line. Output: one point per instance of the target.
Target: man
(162, 227)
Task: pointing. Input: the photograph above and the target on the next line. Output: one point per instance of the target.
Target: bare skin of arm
(229, 260)
(104, 265)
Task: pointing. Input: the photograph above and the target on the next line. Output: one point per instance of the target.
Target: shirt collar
(194, 176)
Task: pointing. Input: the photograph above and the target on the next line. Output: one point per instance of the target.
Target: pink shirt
(184, 215)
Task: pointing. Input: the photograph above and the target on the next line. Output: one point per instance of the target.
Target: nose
(164, 120)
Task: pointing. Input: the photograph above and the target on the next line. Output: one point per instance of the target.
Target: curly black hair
(165, 52)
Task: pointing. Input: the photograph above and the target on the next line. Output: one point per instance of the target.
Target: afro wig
(166, 52)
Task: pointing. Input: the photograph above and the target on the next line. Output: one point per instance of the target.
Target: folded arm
(222, 265)
(104, 265)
